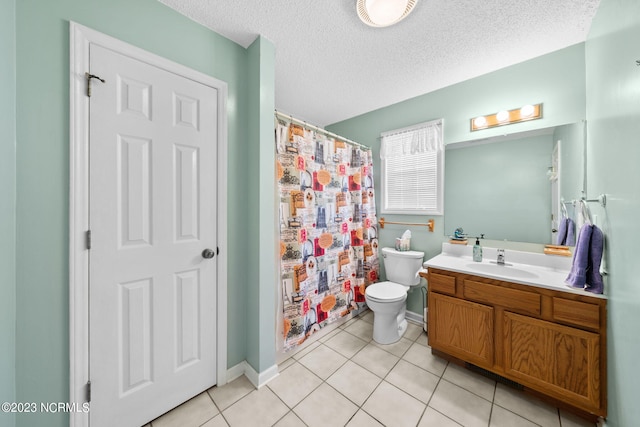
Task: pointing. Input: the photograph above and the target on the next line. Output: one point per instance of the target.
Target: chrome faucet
(500, 260)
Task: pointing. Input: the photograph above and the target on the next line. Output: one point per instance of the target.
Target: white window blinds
(413, 169)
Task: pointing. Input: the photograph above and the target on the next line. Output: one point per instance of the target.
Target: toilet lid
(386, 291)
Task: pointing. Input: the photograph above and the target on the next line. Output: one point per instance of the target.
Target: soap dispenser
(477, 251)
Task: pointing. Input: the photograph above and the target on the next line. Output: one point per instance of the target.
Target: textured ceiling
(331, 67)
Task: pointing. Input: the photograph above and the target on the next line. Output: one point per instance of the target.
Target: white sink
(501, 270)
(525, 268)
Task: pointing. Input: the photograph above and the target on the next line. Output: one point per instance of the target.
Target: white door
(152, 292)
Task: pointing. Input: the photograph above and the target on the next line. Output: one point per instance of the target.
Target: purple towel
(570, 240)
(594, 278)
(578, 274)
(562, 231)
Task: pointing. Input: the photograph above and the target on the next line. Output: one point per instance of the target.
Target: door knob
(208, 253)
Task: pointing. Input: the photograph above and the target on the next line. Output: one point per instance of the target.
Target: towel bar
(430, 223)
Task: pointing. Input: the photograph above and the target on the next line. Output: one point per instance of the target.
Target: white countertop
(527, 268)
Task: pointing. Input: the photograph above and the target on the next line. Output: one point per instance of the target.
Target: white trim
(78, 224)
(80, 39)
(412, 317)
(262, 378)
(236, 371)
(257, 379)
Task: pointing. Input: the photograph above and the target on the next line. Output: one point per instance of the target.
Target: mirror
(510, 187)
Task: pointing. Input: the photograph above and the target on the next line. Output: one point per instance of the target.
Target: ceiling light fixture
(528, 112)
(383, 13)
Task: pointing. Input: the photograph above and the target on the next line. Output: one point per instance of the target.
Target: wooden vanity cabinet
(549, 341)
(461, 328)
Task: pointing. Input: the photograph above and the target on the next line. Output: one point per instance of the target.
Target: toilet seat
(386, 292)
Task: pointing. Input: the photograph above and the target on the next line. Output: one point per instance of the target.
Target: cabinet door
(461, 328)
(558, 360)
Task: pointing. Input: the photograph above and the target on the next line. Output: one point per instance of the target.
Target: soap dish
(455, 241)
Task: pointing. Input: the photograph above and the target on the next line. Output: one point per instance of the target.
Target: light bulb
(526, 111)
(480, 121)
(502, 116)
(385, 12)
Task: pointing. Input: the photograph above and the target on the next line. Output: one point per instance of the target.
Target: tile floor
(367, 384)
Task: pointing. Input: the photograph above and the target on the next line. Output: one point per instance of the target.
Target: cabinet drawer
(513, 299)
(576, 313)
(442, 283)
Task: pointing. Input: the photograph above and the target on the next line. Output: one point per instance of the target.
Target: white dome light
(383, 13)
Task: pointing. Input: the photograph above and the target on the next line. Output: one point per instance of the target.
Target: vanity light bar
(504, 117)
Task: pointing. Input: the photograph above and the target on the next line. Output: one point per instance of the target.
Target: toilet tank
(402, 266)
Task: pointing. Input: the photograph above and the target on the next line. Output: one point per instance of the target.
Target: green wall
(613, 155)
(556, 79)
(7, 207)
(261, 258)
(42, 28)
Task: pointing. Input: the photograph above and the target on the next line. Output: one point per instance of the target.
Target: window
(413, 170)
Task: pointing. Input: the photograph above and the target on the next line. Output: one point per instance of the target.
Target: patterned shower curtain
(328, 229)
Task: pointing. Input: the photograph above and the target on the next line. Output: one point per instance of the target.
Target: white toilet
(388, 300)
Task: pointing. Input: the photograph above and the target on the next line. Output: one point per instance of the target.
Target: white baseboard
(414, 317)
(257, 379)
(236, 371)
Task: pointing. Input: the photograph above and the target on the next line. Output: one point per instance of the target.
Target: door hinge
(88, 391)
(88, 239)
(89, 77)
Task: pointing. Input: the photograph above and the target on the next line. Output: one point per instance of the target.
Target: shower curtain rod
(316, 128)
